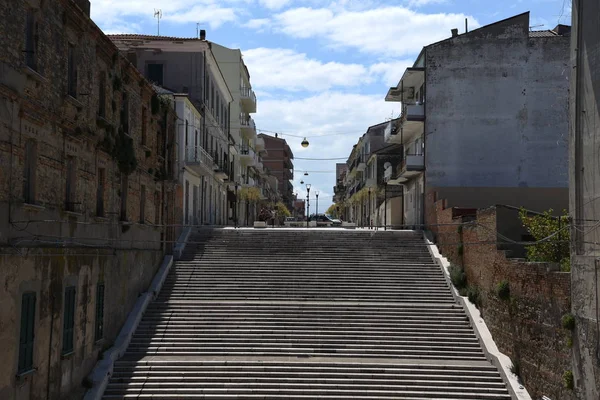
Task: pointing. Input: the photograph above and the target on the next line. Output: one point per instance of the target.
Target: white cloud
(395, 31)
(422, 3)
(292, 71)
(257, 23)
(346, 114)
(274, 4)
(391, 71)
(111, 14)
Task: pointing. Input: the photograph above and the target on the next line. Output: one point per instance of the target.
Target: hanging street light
(305, 173)
(302, 182)
(304, 143)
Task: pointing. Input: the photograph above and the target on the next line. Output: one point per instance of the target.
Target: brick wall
(527, 327)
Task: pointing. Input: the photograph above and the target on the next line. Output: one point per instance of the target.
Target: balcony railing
(248, 93)
(412, 165)
(197, 155)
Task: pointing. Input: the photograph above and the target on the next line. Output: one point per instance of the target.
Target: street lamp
(304, 143)
(369, 208)
(307, 203)
(317, 194)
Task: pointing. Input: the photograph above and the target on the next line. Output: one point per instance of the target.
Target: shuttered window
(27, 332)
(99, 312)
(68, 320)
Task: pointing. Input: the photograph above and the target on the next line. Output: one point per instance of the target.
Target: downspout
(424, 145)
(11, 168)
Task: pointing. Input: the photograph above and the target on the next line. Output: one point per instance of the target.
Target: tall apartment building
(481, 126)
(249, 170)
(87, 192)
(187, 66)
(585, 196)
(278, 159)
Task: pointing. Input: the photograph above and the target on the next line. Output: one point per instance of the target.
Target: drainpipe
(424, 146)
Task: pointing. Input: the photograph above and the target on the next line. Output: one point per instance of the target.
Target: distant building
(278, 160)
(484, 120)
(187, 66)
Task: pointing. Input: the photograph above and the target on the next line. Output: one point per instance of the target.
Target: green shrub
(458, 277)
(474, 295)
(554, 249)
(569, 341)
(503, 290)
(568, 379)
(568, 321)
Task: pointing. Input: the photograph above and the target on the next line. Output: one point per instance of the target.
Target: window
(27, 332)
(156, 208)
(124, 190)
(187, 201)
(71, 72)
(142, 204)
(70, 187)
(125, 112)
(29, 171)
(99, 325)
(155, 73)
(31, 38)
(187, 125)
(102, 94)
(100, 192)
(68, 320)
(144, 128)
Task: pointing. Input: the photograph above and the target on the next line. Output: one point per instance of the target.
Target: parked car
(325, 220)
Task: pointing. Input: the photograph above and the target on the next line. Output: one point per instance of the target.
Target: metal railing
(196, 154)
(247, 92)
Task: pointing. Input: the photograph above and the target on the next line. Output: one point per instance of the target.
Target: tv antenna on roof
(158, 16)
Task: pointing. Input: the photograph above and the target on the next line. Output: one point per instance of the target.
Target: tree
(551, 235)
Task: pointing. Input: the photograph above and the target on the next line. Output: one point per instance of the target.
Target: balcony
(410, 126)
(247, 126)
(371, 182)
(247, 156)
(259, 144)
(259, 167)
(415, 112)
(248, 99)
(362, 162)
(199, 160)
(411, 166)
(249, 182)
(387, 174)
(221, 171)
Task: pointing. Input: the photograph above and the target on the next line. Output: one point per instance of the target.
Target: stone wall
(527, 327)
(47, 272)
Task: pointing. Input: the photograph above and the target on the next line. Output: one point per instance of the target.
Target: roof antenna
(466, 25)
(158, 16)
(197, 30)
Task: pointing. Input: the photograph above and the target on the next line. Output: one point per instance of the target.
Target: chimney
(202, 34)
(454, 32)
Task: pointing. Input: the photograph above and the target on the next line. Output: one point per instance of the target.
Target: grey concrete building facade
(486, 114)
(585, 196)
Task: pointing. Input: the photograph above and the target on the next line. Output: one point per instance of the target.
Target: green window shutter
(68, 320)
(27, 332)
(99, 311)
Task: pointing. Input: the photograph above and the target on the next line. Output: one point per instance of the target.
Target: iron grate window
(99, 331)
(68, 320)
(27, 332)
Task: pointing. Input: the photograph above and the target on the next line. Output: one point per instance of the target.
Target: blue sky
(321, 69)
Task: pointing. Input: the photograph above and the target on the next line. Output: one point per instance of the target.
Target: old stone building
(86, 180)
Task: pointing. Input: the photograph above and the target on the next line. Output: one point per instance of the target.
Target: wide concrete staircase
(305, 314)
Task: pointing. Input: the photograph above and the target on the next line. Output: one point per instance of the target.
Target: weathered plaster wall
(514, 90)
(585, 195)
(527, 327)
(125, 274)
